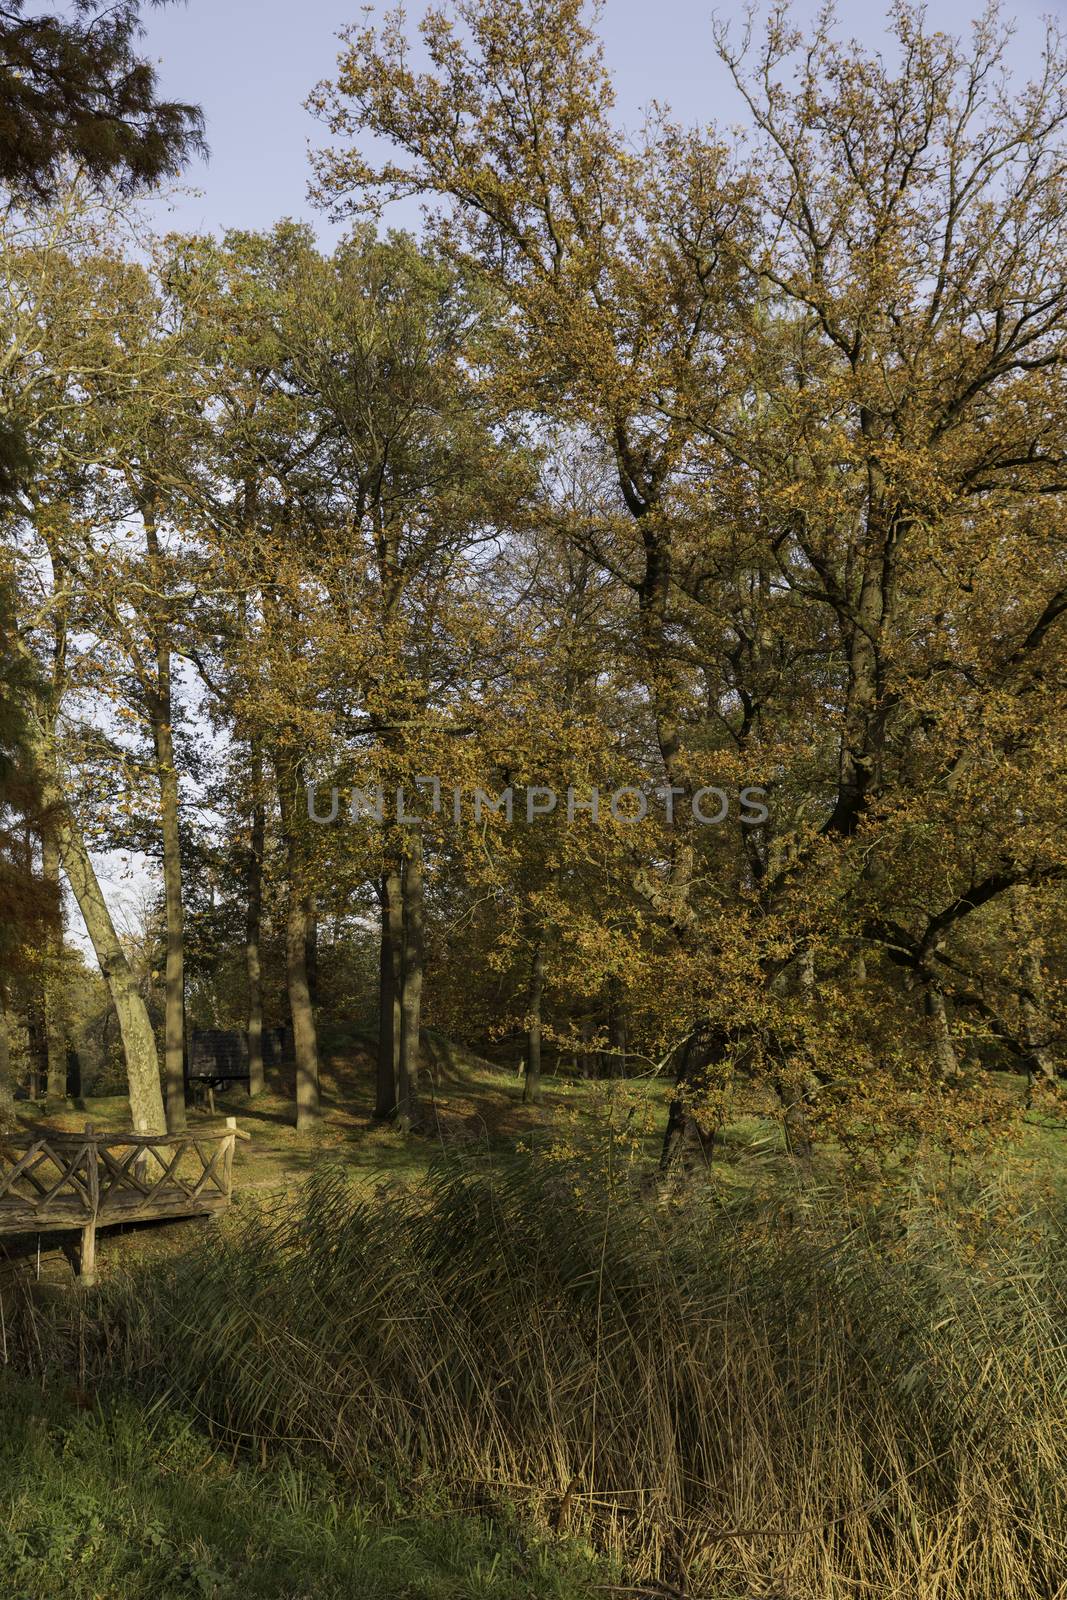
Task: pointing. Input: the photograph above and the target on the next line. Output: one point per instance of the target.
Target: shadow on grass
(102, 1497)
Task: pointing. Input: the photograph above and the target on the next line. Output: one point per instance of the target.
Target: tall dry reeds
(739, 1403)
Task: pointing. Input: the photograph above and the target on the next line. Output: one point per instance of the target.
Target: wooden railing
(52, 1180)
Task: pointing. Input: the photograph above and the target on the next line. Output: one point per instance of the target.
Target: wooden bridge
(52, 1181)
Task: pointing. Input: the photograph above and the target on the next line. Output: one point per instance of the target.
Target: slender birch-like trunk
(55, 1035)
(135, 1027)
(160, 697)
(413, 947)
(253, 934)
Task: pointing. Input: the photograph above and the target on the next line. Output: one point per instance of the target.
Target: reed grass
(798, 1401)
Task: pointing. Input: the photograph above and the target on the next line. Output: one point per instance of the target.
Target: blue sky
(252, 63)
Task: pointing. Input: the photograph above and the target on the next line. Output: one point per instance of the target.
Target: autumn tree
(824, 368)
(55, 342)
(136, 436)
(365, 482)
(78, 98)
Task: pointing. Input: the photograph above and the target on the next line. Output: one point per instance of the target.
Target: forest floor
(474, 1105)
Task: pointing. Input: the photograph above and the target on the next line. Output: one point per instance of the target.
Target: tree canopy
(74, 90)
(711, 485)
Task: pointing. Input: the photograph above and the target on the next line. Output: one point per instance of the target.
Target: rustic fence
(52, 1181)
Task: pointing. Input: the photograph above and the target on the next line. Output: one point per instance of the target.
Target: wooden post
(87, 1261)
(227, 1160)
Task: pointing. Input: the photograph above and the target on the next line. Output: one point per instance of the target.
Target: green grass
(116, 1503)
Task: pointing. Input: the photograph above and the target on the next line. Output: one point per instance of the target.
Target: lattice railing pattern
(41, 1171)
(55, 1180)
(97, 1174)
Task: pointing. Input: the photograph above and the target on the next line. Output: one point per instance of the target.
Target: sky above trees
(252, 63)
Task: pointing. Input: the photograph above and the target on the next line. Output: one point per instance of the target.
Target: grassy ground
(102, 1499)
(475, 1105)
(471, 1103)
(115, 1502)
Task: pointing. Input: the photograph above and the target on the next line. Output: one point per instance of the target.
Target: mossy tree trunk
(7, 1082)
(55, 1033)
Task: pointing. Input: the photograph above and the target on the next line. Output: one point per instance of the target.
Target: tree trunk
(387, 1083)
(305, 1041)
(945, 1059)
(253, 927)
(174, 1024)
(160, 698)
(7, 1082)
(684, 1129)
(135, 1027)
(794, 1098)
(1035, 1029)
(684, 1132)
(311, 949)
(411, 985)
(617, 1032)
(36, 1045)
(55, 1036)
(531, 1088)
(585, 1055)
(1035, 1032)
(796, 1088)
